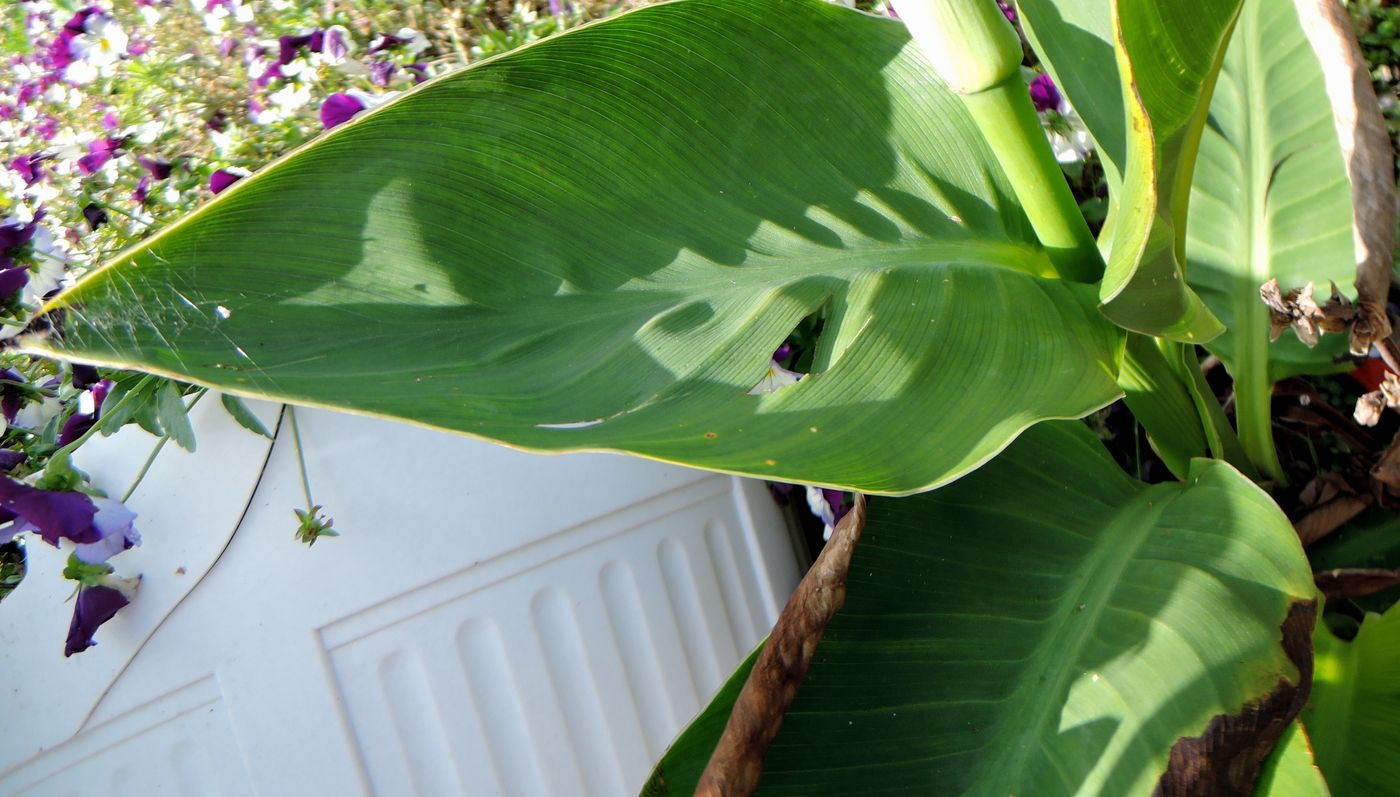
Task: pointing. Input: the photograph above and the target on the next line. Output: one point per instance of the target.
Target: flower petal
(94, 606)
(54, 515)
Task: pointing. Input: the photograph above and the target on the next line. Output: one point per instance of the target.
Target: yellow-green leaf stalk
(976, 52)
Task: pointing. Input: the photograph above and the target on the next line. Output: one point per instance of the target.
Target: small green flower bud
(970, 43)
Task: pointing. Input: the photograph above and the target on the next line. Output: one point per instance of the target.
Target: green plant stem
(1009, 122)
(155, 452)
(1254, 392)
(101, 422)
(301, 458)
(1224, 443)
(1153, 390)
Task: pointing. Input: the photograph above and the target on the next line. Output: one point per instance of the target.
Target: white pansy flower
(415, 41)
(1069, 138)
(102, 42)
(290, 97)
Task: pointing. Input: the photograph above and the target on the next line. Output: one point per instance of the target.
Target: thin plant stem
(100, 422)
(301, 457)
(155, 452)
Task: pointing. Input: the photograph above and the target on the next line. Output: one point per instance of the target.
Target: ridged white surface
(489, 622)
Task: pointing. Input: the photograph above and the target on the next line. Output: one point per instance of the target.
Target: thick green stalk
(977, 54)
(1254, 392)
(1010, 124)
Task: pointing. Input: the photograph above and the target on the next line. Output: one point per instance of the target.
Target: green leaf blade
(1043, 626)
(597, 241)
(1355, 699)
(1161, 61)
(1270, 197)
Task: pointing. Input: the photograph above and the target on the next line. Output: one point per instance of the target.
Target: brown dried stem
(1369, 162)
(737, 762)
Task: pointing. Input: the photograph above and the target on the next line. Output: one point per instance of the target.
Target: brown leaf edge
(737, 762)
(1369, 161)
(1226, 759)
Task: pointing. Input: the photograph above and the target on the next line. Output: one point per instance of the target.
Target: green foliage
(1042, 626)
(562, 323)
(1351, 717)
(598, 241)
(1290, 771)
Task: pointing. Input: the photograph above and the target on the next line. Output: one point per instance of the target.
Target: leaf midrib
(1099, 576)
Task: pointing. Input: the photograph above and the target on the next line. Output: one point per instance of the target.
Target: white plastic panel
(489, 622)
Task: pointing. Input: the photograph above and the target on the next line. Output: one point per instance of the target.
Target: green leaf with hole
(1047, 626)
(1270, 198)
(597, 241)
(1355, 700)
(1140, 73)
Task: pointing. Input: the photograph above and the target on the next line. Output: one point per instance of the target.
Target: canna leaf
(597, 241)
(1270, 198)
(1161, 59)
(1047, 626)
(1351, 715)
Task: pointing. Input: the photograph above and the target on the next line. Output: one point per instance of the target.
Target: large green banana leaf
(1355, 701)
(1047, 626)
(595, 242)
(1140, 74)
(1270, 198)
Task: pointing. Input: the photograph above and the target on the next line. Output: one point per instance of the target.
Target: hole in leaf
(793, 359)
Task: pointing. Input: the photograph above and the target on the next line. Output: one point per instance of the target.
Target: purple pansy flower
(336, 44)
(142, 192)
(116, 524)
(385, 41)
(159, 169)
(381, 72)
(95, 605)
(223, 178)
(110, 121)
(86, 377)
(12, 281)
(95, 215)
(78, 22)
(52, 514)
(338, 109)
(79, 423)
(12, 392)
(29, 167)
(1044, 94)
(99, 153)
(13, 234)
(289, 46)
(11, 459)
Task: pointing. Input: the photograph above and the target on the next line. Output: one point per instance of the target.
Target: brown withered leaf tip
(737, 763)
(1298, 309)
(1225, 760)
(1355, 582)
(1370, 405)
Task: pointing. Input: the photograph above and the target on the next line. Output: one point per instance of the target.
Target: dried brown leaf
(1355, 582)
